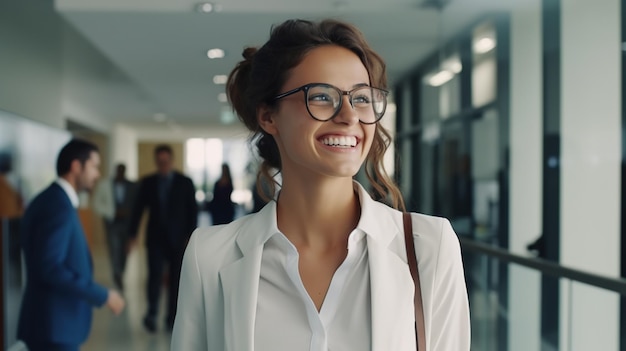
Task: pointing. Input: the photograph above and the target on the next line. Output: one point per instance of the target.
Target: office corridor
(124, 332)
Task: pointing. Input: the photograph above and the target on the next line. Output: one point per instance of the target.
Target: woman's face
(307, 146)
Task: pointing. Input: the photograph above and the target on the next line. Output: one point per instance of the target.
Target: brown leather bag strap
(420, 332)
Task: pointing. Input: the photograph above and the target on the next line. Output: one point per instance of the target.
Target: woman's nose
(347, 114)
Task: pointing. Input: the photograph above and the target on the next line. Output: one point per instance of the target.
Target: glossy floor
(125, 332)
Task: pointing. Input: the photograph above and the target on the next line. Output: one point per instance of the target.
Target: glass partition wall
(500, 131)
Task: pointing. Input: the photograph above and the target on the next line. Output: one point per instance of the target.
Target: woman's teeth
(342, 141)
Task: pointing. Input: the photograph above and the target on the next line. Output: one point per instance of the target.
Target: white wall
(525, 202)
(85, 90)
(123, 149)
(160, 131)
(47, 69)
(30, 61)
(590, 164)
(49, 73)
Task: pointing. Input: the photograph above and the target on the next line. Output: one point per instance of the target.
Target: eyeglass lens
(324, 102)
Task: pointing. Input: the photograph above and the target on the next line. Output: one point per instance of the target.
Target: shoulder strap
(420, 333)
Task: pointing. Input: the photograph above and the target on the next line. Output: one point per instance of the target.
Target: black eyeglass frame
(305, 88)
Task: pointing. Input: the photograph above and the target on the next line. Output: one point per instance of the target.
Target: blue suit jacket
(60, 292)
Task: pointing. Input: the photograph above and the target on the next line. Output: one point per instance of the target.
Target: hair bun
(268, 150)
(248, 53)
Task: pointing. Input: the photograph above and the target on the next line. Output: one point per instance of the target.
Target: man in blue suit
(60, 292)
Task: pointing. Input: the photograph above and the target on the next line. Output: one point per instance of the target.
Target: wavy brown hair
(262, 73)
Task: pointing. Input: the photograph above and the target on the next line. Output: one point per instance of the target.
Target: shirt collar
(377, 221)
(69, 190)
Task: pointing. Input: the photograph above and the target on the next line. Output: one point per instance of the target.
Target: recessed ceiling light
(453, 64)
(205, 7)
(439, 78)
(208, 7)
(215, 53)
(484, 45)
(222, 97)
(220, 79)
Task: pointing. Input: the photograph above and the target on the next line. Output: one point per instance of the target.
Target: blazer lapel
(393, 312)
(392, 300)
(240, 282)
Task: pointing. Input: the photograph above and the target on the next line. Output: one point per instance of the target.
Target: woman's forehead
(329, 64)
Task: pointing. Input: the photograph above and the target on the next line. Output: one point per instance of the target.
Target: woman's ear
(265, 118)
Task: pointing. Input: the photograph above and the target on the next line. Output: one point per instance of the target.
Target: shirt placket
(319, 322)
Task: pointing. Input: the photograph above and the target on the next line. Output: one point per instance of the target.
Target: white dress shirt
(343, 322)
(69, 190)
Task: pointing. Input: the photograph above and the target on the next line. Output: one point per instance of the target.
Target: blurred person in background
(11, 202)
(170, 199)
(60, 293)
(113, 201)
(221, 207)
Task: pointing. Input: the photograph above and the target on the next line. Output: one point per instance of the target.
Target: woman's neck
(322, 212)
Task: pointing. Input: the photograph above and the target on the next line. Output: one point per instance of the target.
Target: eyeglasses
(324, 101)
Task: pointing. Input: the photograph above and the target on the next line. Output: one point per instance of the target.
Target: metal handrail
(617, 285)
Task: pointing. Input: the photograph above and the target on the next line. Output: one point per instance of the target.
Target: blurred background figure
(11, 204)
(113, 201)
(11, 209)
(60, 292)
(170, 199)
(260, 194)
(221, 207)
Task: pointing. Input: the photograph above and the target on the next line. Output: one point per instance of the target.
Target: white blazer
(220, 279)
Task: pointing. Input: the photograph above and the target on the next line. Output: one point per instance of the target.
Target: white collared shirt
(69, 190)
(344, 320)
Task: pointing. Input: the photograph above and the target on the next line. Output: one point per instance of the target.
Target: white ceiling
(161, 44)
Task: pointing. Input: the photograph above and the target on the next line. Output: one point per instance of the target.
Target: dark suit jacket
(60, 292)
(174, 227)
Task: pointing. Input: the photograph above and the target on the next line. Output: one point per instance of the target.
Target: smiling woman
(322, 266)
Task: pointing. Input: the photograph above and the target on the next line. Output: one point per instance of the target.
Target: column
(525, 203)
(590, 165)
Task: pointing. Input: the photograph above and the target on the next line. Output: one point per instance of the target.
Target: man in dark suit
(113, 201)
(60, 292)
(170, 199)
